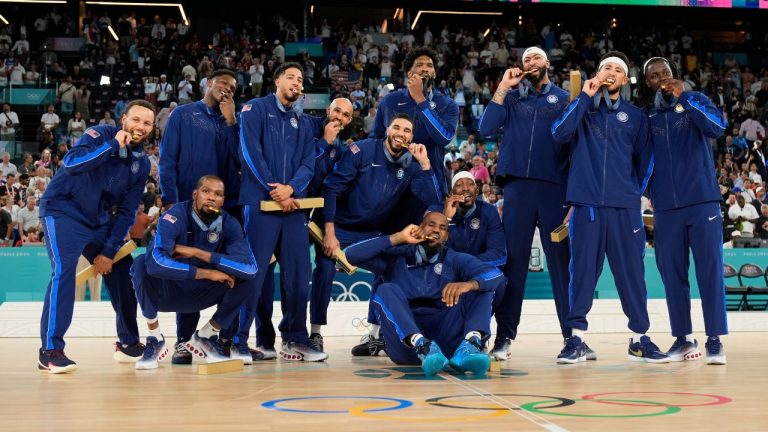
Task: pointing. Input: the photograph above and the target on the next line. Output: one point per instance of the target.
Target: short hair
(205, 178)
(139, 102)
(401, 116)
(284, 67)
(220, 72)
(416, 53)
(618, 54)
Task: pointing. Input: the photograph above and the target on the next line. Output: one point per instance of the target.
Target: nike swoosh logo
(271, 115)
(401, 103)
(197, 113)
(713, 217)
(375, 165)
(636, 230)
(638, 353)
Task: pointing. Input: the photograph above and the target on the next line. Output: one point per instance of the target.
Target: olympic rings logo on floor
(382, 408)
(360, 325)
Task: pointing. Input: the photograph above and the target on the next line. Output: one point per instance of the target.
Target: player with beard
(87, 209)
(533, 169)
(277, 151)
(686, 213)
(432, 298)
(611, 161)
(197, 259)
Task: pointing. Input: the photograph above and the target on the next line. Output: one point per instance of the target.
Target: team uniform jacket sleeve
(170, 147)
(706, 116)
(495, 244)
(369, 254)
(126, 213)
(379, 129)
(303, 176)
(440, 129)
(489, 278)
(338, 181)
(237, 259)
(251, 145)
(424, 185)
(643, 154)
(160, 262)
(493, 118)
(88, 153)
(565, 127)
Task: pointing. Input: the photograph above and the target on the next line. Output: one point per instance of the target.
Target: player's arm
(705, 115)
(168, 166)
(252, 145)
(92, 150)
(125, 214)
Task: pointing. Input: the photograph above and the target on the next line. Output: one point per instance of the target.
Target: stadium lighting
(418, 15)
(397, 11)
(105, 80)
(35, 1)
(5, 21)
(486, 32)
(115, 3)
(112, 32)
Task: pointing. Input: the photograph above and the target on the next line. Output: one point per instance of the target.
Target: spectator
(141, 223)
(745, 215)
(28, 216)
(6, 221)
(186, 90)
(107, 120)
(163, 115)
(50, 120)
(479, 170)
(9, 124)
(6, 167)
(75, 128)
(66, 96)
(83, 101)
(256, 72)
(164, 92)
(32, 237)
(734, 235)
(751, 129)
(762, 223)
(468, 146)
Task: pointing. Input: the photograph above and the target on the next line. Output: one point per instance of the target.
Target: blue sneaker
(155, 351)
(574, 351)
(295, 351)
(470, 358)
(54, 361)
(684, 350)
(211, 349)
(646, 351)
(242, 352)
(432, 359)
(715, 353)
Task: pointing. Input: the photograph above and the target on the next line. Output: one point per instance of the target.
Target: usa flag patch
(246, 107)
(93, 133)
(169, 217)
(354, 148)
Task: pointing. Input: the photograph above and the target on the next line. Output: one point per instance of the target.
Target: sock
(415, 340)
(315, 328)
(207, 331)
(636, 337)
(156, 333)
(375, 330)
(689, 338)
(473, 334)
(579, 333)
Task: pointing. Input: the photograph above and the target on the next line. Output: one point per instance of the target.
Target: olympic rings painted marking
(668, 410)
(367, 411)
(719, 400)
(435, 401)
(273, 404)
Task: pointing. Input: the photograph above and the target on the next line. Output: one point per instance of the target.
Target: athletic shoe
(574, 351)
(154, 353)
(54, 361)
(241, 352)
(181, 356)
(128, 353)
(294, 351)
(211, 348)
(369, 347)
(432, 359)
(262, 353)
(470, 358)
(502, 349)
(316, 342)
(646, 351)
(591, 355)
(684, 350)
(715, 352)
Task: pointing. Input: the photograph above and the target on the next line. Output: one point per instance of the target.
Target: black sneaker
(128, 353)
(369, 347)
(181, 356)
(591, 355)
(54, 361)
(316, 341)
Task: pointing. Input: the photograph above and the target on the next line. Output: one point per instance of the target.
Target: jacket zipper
(605, 158)
(669, 153)
(530, 147)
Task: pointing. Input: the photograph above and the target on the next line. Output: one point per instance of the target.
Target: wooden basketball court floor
(372, 394)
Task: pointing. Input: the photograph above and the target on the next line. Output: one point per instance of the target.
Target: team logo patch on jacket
(93, 133)
(246, 107)
(439, 268)
(622, 116)
(294, 123)
(475, 224)
(169, 217)
(354, 149)
(400, 173)
(679, 108)
(135, 167)
(552, 99)
(213, 237)
(432, 105)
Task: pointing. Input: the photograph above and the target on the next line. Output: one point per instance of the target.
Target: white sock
(315, 328)
(472, 334)
(579, 333)
(207, 331)
(636, 337)
(415, 339)
(375, 330)
(156, 333)
(689, 338)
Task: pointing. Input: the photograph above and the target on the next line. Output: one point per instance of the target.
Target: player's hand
(591, 86)
(181, 251)
(411, 234)
(416, 87)
(227, 107)
(673, 87)
(454, 290)
(331, 131)
(102, 264)
(419, 152)
(451, 205)
(123, 138)
(330, 244)
(289, 205)
(280, 192)
(511, 77)
(215, 276)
